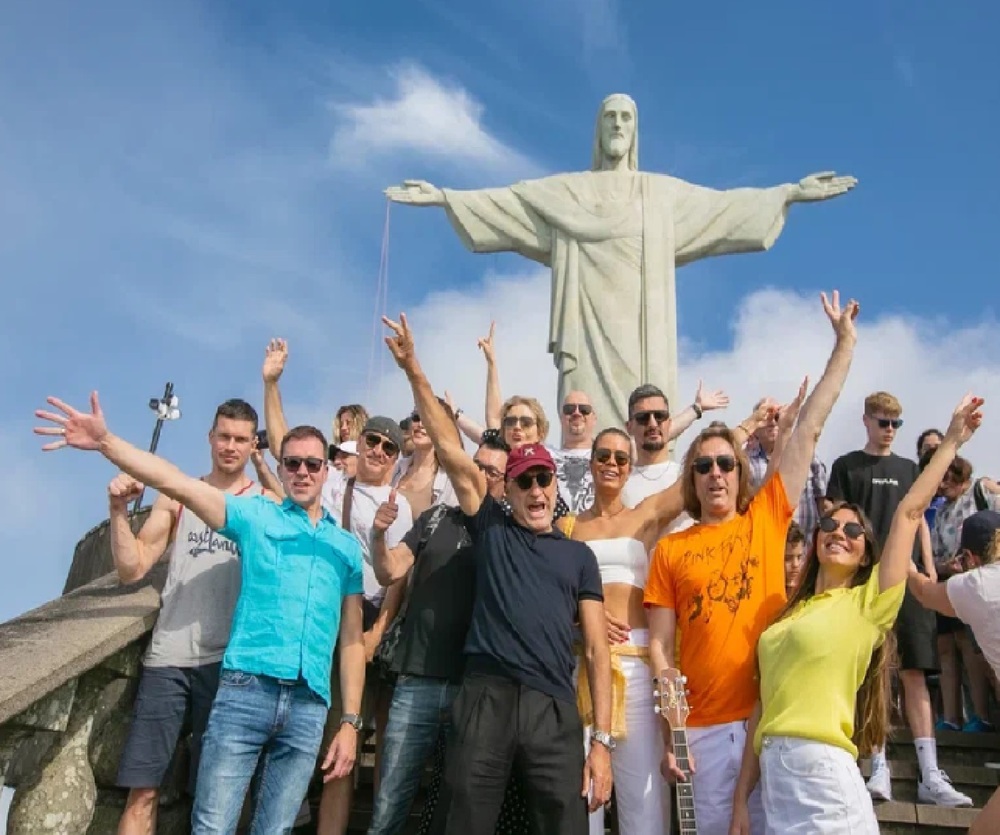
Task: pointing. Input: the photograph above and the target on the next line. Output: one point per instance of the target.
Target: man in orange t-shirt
(721, 582)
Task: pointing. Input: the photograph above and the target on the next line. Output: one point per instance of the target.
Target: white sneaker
(880, 783)
(940, 792)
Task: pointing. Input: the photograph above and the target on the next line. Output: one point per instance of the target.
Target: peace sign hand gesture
(73, 428)
(841, 319)
(401, 343)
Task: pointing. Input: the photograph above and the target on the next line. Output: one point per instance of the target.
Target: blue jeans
(257, 718)
(420, 709)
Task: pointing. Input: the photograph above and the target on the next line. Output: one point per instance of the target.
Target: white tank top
(621, 560)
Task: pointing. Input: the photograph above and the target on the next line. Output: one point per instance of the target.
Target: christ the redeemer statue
(613, 237)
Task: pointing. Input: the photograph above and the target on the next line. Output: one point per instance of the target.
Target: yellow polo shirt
(813, 662)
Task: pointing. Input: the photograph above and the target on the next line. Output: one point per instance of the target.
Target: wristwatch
(698, 411)
(353, 720)
(603, 738)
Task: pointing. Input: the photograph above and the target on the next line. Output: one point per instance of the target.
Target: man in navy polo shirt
(301, 585)
(517, 702)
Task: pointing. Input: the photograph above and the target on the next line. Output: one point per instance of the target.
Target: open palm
(966, 418)
(73, 427)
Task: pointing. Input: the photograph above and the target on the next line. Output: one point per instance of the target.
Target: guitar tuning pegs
(684, 679)
(656, 709)
(656, 694)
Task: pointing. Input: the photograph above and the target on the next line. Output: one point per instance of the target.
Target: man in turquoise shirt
(302, 586)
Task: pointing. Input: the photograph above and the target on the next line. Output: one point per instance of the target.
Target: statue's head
(617, 132)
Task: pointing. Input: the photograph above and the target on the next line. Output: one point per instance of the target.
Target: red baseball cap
(528, 456)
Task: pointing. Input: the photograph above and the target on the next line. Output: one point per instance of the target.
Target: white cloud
(427, 116)
(778, 337)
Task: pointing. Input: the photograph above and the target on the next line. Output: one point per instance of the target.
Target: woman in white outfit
(824, 666)
(622, 539)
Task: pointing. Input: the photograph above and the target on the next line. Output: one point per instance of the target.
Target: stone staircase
(962, 755)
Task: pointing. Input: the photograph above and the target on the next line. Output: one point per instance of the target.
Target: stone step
(899, 816)
(977, 782)
(955, 747)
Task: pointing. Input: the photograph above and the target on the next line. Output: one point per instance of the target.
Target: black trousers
(499, 725)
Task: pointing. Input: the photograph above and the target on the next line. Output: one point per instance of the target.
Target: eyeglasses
(489, 470)
(526, 480)
(885, 423)
(292, 464)
(658, 415)
(415, 417)
(570, 409)
(524, 421)
(388, 447)
(852, 530)
(602, 456)
(703, 463)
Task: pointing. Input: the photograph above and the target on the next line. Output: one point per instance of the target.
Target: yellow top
(813, 662)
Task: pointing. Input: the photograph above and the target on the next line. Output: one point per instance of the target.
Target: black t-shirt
(877, 483)
(440, 599)
(528, 589)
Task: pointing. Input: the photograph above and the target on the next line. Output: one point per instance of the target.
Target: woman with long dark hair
(825, 663)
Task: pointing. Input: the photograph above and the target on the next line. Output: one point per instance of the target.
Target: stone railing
(68, 675)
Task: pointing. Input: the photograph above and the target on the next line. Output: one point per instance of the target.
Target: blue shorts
(170, 702)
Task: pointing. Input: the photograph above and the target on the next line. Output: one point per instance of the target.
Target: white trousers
(815, 788)
(641, 794)
(718, 752)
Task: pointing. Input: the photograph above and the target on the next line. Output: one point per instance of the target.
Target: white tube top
(621, 560)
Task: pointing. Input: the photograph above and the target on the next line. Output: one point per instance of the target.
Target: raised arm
(89, 432)
(466, 479)
(494, 397)
(798, 454)
(275, 357)
(898, 551)
(135, 555)
(704, 401)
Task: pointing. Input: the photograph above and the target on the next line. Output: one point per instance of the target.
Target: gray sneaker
(940, 792)
(880, 783)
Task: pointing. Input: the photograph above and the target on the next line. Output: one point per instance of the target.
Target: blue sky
(179, 182)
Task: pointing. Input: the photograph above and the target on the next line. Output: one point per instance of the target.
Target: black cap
(386, 427)
(978, 531)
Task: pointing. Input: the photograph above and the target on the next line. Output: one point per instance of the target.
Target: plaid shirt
(807, 512)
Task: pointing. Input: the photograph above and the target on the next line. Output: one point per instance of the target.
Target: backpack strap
(345, 516)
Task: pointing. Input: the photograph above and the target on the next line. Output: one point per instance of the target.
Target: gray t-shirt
(199, 596)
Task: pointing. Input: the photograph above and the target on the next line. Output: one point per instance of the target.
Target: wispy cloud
(427, 116)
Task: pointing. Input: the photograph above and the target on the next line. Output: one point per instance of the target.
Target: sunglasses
(292, 464)
(524, 421)
(852, 530)
(885, 423)
(703, 463)
(570, 409)
(658, 415)
(388, 447)
(489, 470)
(526, 480)
(602, 456)
(415, 417)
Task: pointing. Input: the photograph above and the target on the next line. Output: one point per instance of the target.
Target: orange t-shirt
(726, 583)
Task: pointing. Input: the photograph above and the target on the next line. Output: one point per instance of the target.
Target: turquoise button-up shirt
(295, 578)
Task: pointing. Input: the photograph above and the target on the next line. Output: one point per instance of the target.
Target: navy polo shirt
(528, 589)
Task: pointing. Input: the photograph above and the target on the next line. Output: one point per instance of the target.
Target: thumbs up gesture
(386, 514)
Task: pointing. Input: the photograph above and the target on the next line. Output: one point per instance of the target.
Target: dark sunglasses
(388, 447)
(292, 463)
(489, 470)
(570, 409)
(658, 415)
(526, 480)
(852, 530)
(524, 421)
(415, 417)
(703, 463)
(885, 423)
(602, 456)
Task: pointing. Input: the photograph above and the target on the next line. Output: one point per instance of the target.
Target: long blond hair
(874, 697)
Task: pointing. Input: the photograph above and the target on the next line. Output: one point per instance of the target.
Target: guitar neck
(685, 791)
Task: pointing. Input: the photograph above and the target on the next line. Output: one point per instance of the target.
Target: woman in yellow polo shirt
(824, 661)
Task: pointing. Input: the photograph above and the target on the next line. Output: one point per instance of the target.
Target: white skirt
(813, 788)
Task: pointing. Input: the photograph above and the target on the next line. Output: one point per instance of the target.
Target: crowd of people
(505, 617)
